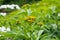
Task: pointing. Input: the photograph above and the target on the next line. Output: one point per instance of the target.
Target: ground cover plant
(37, 21)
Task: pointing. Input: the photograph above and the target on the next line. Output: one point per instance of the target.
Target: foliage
(1, 1)
(19, 2)
(38, 21)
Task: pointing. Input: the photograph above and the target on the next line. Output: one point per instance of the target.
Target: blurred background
(19, 2)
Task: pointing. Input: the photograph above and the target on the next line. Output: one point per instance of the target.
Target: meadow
(37, 21)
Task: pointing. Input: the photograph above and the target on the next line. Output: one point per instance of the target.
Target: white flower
(3, 14)
(8, 29)
(58, 14)
(10, 6)
(3, 6)
(13, 5)
(17, 7)
(3, 29)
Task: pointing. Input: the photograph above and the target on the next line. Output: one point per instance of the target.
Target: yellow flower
(30, 18)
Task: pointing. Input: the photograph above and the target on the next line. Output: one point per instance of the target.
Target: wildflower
(17, 7)
(3, 14)
(3, 6)
(10, 6)
(3, 29)
(13, 5)
(30, 18)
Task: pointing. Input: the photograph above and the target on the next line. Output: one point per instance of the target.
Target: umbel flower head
(30, 18)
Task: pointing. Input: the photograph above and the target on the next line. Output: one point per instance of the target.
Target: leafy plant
(37, 21)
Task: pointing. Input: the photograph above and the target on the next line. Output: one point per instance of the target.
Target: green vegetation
(19, 2)
(37, 21)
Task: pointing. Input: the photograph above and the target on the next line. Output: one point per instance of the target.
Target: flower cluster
(3, 29)
(3, 14)
(13, 6)
(30, 18)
